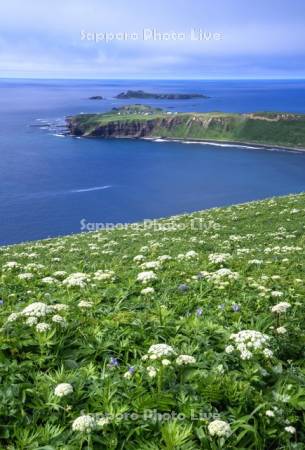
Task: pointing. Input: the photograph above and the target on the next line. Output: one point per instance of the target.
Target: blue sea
(50, 184)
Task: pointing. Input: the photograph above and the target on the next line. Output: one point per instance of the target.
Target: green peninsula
(140, 121)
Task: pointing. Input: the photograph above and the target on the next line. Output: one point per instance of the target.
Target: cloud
(258, 39)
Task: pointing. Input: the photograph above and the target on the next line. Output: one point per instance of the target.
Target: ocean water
(50, 184)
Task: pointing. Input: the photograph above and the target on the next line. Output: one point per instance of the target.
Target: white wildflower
(165, 362)
(229, 349)
(63, 389)
(36, 309)
(219, 258)
(102, 421)
(219, 428)
(281, 330)
(152, 372)
(13, 317)
(191, 254)
(160, 350)
(290, 430)
(103, 275)
(42, 327)
(150, 265)
(85, 304)
(25, 276)
(60, 307)
(276, 294)
(280, 308)
(49, 280)
(267, 353)
(147, 291)
(58, 319)
(11, 265)
(84, 424)
(139, 258)
(32, 320)
(184, 360)
(60, 274)
(146, 277)
(77, 279)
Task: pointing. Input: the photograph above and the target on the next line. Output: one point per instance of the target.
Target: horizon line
(150, 79)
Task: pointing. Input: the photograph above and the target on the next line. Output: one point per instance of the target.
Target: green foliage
(98, 347)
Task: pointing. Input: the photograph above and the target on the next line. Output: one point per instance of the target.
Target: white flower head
(280, 307)
(63, 389)
(13, 317)
(42, 327)
(219, 428)
(36, 309)
(290, 430)
(84, 424)
(32, 320)
(77, 279)
(184, 360)
(160, 350)
(104, 275)
(229, 349)
(58, 319)
(146, 277)
(85, 304)
(281, 330)
(219, 258)
(152, 372)
(25, 276)
(147, 291)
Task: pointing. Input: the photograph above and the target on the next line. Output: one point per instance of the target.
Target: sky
(152, 39)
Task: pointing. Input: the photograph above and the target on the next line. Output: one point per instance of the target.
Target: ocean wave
(95, 188)
(46, 194)
(224, 144)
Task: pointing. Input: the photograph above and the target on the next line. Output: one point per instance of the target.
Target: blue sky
(252, 39)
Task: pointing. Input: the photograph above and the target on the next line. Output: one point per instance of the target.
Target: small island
(142, 121)
(96, 97)
(157, 96)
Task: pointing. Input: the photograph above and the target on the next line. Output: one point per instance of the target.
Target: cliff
(282, 129)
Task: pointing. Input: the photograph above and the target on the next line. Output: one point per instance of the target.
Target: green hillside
(282, 129)
(186, 333)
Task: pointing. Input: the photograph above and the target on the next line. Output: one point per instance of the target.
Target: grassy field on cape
(265, 128)
(188, 334)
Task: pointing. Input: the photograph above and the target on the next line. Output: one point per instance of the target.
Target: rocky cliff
(262, 128)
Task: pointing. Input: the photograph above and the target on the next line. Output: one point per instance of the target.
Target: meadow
(185, 333)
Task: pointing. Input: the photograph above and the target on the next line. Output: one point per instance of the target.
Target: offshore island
(151, 95)
(142, 121)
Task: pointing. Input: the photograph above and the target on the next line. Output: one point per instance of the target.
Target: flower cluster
(248, 342)
(280, 308)
(158, 351)
(184, 360)
(63, 389)
(219, 428)
(104, 275)
(146, 277)
(77, 279)
(84, 424)
(219, 258)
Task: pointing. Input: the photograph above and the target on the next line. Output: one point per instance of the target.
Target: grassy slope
(257, 128)
(122, 323)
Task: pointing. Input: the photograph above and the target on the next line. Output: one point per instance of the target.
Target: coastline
(224, 143)
(221, 143)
